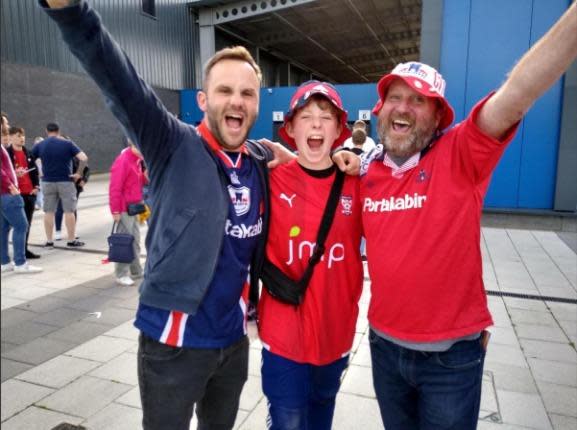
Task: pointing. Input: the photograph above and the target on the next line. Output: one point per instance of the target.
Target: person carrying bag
(120, 246)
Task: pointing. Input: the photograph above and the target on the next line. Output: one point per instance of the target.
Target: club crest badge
(240, 198)
(347, 205)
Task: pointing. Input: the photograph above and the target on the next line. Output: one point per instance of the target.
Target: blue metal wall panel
(480, 44)
(541, 134)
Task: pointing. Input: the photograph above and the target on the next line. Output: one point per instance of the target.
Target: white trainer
(8, 267)
(27, 268)
(125, 281)
(57, 235)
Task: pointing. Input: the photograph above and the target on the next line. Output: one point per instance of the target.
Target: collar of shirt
(211, 140)
(399, 171)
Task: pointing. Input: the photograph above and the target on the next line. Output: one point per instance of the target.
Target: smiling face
(407, 120)
(315, 127)
(230, 102)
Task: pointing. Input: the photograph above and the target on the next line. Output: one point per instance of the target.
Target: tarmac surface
(69, 347)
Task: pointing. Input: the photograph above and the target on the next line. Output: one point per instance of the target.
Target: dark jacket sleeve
(144, 118)
(32, 165)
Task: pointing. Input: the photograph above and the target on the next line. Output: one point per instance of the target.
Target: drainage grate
(66, 426)
(532, 297)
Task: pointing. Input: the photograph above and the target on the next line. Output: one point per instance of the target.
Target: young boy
(306, 346)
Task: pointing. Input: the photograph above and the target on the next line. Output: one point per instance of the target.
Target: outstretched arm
(534, 74)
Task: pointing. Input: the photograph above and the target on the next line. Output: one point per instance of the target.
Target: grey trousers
(129, 224)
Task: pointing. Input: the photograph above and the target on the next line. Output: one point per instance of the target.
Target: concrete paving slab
(251, 393)
(522, 316)
(124, 331)
(111, 316)
(541, 332)
(79, 332)
(38, 351)
(358, 380)
(554, 372)
(84, 397)
(504, 336)
(17, 396)
(353, 412)
(39, 419)
(102, 348)
(11, 368)
(58, 372)
(531, 305)
(523, 410)
(559, 399)
(564, 311)
(26, 332)
(549, 350)
(362, 357)
(44, 304)
(115, 417)
(131, 398)
(512, 378)
(9, 302)
(505, 354)
(561, 422)
(13, 316)
(255, 420)
(120, 369)
(61, 317)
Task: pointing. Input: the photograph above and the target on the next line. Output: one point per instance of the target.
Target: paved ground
(69, 347)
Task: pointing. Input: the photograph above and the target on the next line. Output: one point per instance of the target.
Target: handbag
(120, 246)
(136, 208)
(286, 289)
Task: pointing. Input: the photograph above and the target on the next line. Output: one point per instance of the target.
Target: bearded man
(422, 193)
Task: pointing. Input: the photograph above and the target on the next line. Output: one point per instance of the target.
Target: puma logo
(288, 199)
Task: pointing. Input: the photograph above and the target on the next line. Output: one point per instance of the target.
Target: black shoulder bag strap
(324, 228)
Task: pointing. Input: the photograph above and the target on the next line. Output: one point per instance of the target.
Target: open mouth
(401, 125)
(315, 142)
(234, 121)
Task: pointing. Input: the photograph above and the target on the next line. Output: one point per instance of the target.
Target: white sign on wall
(278, 116)
(365, 115)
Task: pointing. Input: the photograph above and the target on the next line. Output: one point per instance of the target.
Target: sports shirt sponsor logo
(392, 203)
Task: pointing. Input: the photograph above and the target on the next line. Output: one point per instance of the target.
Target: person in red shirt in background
(126, 181)
(306, 346)
(422, 194)
(12, 213)
(27, 174)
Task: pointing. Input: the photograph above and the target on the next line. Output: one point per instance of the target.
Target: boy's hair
(16, 130)
(52, 127)
(239, 53)
(359, 136)
(360, 124)
(324, 104)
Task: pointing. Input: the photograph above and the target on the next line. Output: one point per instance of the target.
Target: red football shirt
(321, 329)
(24, 181)
(423, 238)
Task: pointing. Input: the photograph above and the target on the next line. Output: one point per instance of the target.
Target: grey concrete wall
(34, 96)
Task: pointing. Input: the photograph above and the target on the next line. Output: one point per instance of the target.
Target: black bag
(120, 249)
(136, 208)
(286, 289)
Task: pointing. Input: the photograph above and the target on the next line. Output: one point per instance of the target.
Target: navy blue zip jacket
(190, 199)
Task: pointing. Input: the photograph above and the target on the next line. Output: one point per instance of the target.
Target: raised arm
(532, 76)
(144, 119)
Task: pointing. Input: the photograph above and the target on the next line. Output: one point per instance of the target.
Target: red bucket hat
(300, 99)
(423, 79)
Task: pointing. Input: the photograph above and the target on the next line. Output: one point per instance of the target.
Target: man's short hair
(239, 53)
(52, 127)
(359, 123)
(16, 130)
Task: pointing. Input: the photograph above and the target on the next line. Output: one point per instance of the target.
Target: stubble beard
(409, 146)
(213, 121)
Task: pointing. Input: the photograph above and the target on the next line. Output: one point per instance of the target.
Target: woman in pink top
(126, 181)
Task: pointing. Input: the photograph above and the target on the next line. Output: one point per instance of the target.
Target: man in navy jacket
(210, 207)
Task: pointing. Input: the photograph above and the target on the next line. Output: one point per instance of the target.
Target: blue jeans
(174, 380)
(428, 390)
(13, 216)
(300, 396)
